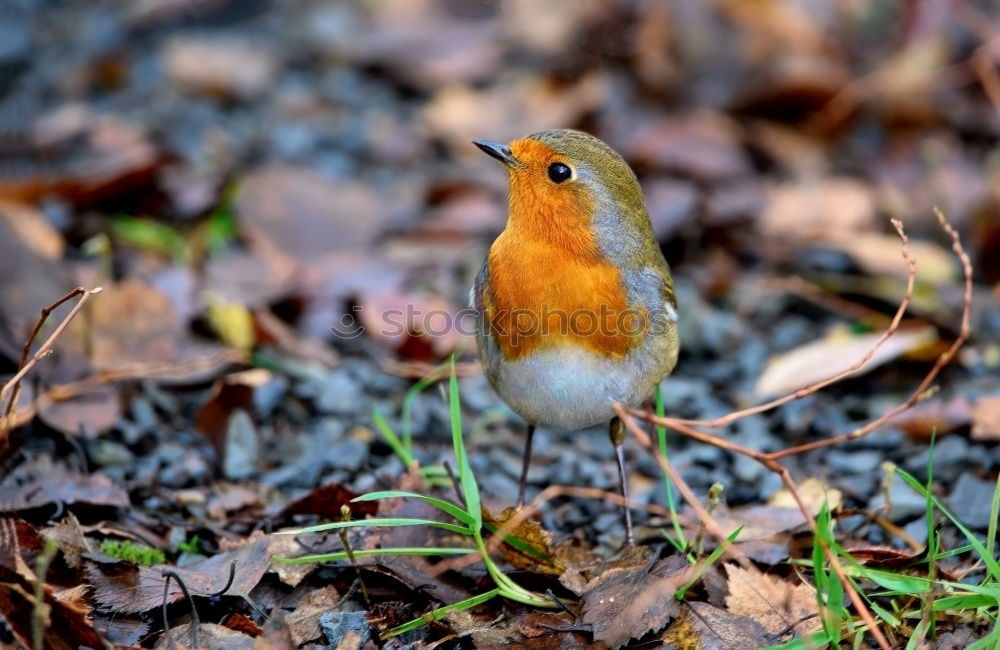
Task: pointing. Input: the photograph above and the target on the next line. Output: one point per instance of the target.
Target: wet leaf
(635, 597)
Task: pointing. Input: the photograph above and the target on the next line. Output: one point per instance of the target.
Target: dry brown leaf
(55, 483)
(302, 216)
(813, 491)
(986, 419)
(767, 533)
(129, 588)
(836, 352)
(532, 533)
(635, 597)
(70, 538)
(303, 623)
(879, 255)
(819, 209)
(131, 323)
(701, 626)
(774, 603)
(276, 635)
(67, 625)
(32, 228)
(211, 636)
(935, 417)
(89, 413)
(215, 66)
(286, 546)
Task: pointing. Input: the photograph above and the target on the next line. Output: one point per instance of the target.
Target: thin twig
(27, 363)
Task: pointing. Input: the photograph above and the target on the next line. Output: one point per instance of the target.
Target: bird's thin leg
(617, 434)
(525, 462)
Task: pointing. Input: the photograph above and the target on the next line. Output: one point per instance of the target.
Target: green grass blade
(991, 532)
(442, 505)
(441, 612)
(927, 623)
(392, 439)
(916, 639)
(383, 521)
(708, 562)
(991, 563)
(470, 490)
(680, 543)
(964, 601)
(417, 388)
(371, 552)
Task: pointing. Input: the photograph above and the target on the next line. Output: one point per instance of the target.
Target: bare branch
(13, 386)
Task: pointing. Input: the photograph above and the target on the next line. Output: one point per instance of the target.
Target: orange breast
(550, 285)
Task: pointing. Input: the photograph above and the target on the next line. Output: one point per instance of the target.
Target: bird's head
(562, 181)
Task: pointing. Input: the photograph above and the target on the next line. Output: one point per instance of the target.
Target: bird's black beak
(496, 150)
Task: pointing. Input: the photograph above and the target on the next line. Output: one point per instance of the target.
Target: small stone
(906, 502)
(970, 501)
(347, 454)
(858, 462)
(917, 529)
(103, 453)
(950, 454)
(143, 413)
(269, 394)
(341, 627)
(242, 447)
(747, 469)
(339, 393)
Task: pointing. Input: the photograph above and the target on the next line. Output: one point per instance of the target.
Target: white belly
(571, 388)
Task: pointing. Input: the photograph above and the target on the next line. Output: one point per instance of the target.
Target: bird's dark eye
(559, 172)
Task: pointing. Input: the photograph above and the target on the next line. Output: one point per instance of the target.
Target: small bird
(575, 303)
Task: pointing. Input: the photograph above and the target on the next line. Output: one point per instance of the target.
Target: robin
(575, 303)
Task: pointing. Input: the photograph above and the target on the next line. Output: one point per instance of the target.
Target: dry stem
(14, 385)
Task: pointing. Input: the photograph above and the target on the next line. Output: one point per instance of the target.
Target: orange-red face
(546, 265)
(546, 195)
